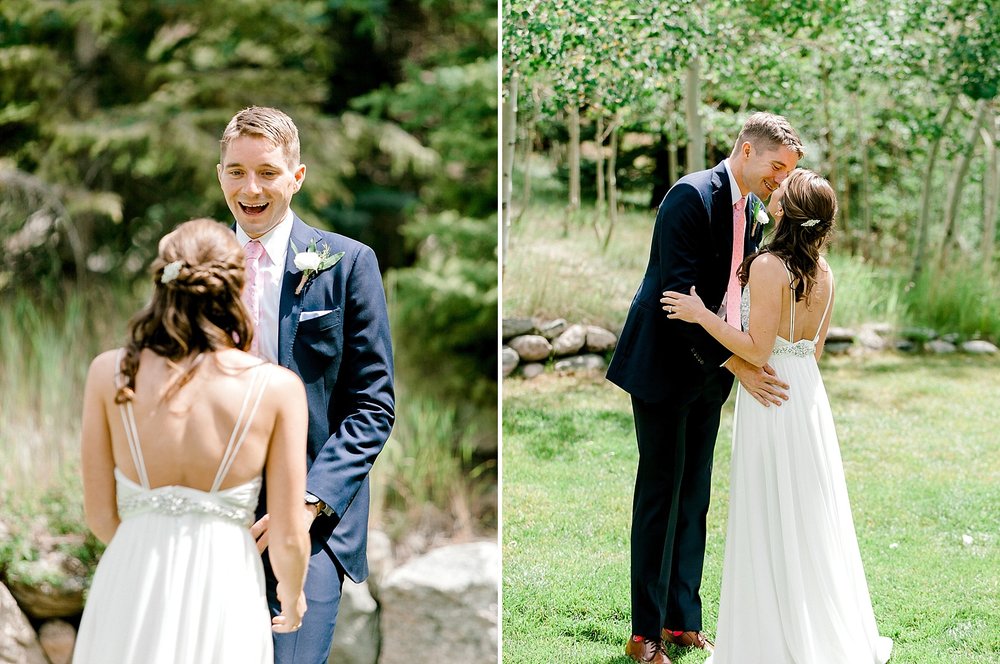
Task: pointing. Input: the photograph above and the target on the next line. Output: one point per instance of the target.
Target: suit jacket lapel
(291, 304)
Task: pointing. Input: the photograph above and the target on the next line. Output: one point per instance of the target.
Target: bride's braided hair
(810, 210)
(196, 307)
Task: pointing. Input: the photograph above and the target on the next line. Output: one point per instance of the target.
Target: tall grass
(958, 300)
(47, 343)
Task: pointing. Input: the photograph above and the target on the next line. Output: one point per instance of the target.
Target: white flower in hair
(810, 222)
(170, 271)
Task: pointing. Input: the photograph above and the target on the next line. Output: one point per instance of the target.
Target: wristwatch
(321, 507)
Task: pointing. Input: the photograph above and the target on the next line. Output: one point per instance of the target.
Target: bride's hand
(290, 618)
(683, 307)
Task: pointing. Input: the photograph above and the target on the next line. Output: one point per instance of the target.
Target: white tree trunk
(696, 133)
(612, 181)
(574, 157)
(919, 256)
(991, 190)
(509, 139)
(599, 145)
(958, 182)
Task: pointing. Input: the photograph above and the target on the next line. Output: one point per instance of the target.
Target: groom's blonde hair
(268, 123)
(767, 131)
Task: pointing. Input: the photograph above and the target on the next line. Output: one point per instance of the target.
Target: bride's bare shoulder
(767, 267)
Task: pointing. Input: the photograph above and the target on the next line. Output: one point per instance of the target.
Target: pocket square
(309, 315)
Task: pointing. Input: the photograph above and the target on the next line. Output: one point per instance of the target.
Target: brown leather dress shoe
(689, 640)
(648, 652)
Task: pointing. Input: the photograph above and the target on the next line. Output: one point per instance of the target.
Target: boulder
(979, 347)
(50, 586)
(356, 639)
(939, 347)
(837, 347)
(550, 329)
(600, 340)
(380, 560)
(443, 607)
(576, 363)
(570, 342)
(58, 638)
(18, 642)
(515, 327)
(918, 334)
(532, 370)
(531, 347)
(510, 359)
(840, 335)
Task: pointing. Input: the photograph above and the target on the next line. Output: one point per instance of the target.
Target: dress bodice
(236, 504)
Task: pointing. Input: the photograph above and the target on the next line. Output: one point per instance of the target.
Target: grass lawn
(922, 457)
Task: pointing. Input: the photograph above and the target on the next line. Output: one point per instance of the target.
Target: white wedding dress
(181, 581)
(793, 587)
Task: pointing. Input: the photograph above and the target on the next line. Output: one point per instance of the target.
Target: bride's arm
(96, 459)
(767, 279)
(285, 474)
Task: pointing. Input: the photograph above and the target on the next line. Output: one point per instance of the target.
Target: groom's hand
(259, 532)
(762, 383)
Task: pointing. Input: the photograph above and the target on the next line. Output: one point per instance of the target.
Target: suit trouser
(676, 439)
(324, 584)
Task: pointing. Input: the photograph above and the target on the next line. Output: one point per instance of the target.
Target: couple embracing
(713, 305)
(226, 448)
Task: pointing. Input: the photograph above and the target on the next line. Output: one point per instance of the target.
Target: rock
(532, 370)
(840, 335)
(59, 594)
(837, 347)
(570, 342)
(869, 339)
(58, 638)
(939, 347)
(951, 337)
(552, 328)
(18, 643)
(531, 347)
(881, 329)
(979, 347)
(515, 327)
(588, 362)
(443, 607)
(510, 359)
(918, 334)
(600, 340)
(380, 560)
(356, 639)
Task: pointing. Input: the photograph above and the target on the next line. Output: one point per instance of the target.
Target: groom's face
(765, 169)
(258, 183)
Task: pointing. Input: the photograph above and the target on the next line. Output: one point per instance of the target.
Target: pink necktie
(733, 290)
(251, 294)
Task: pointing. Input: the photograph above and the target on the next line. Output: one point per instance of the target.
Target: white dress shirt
(271, 269)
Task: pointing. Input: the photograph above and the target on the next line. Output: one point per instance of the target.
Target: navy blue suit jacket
(692, 246)
(345, 360)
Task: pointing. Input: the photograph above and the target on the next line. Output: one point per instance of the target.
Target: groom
(679, 377)
(328, 325)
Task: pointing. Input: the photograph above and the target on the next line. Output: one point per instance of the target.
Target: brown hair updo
(196, 307)
(810, 209)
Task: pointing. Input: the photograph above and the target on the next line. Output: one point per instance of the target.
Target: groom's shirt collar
(734, 188)
(275, 241)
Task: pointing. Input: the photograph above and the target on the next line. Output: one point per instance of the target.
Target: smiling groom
(679, 377)
(328, 324)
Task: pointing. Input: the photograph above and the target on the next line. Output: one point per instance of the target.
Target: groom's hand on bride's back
(762, 383)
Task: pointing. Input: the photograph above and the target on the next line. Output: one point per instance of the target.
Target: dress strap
(258, 384)
(829, 301)
(791, 304)
(128, 422)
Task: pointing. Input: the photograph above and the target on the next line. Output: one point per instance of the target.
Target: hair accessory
(170, 271)
(811, 222)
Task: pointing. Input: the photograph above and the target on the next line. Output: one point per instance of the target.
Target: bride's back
(183, 436)
(809, 313)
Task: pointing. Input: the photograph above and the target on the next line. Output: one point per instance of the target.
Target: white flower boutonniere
(760, 217)
(312, 261)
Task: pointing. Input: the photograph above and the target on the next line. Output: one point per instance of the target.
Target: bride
(793, 586)
(178, 429)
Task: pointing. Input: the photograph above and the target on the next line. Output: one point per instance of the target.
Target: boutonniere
(312, 261)
(759, 214)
